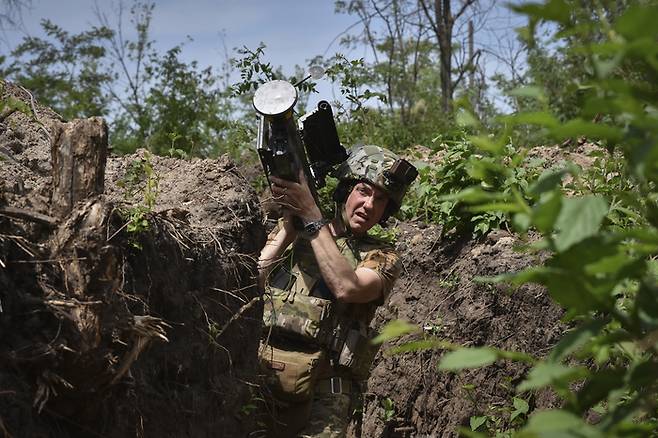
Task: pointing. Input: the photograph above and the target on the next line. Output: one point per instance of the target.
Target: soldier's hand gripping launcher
(284, 148)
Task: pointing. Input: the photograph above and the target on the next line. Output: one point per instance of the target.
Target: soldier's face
(364, 207)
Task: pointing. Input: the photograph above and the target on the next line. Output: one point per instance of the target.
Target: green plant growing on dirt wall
(388, 234)
(611, 177)
(9, 105)
(388, 410)
(173, 151)
(142, 181)
(496, 418)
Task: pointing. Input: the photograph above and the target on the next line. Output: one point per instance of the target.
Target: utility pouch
(290, 375)
(357, 352)
(296, 316)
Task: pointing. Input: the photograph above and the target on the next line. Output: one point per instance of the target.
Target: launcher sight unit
(285, 148)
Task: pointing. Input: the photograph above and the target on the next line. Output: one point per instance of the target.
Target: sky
(293, 31)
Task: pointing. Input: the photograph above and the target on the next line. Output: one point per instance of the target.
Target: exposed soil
(437, 291)
(163, 338)
(172, 319)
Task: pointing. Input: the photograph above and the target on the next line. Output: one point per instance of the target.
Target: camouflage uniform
(329, 413)
(316, 349)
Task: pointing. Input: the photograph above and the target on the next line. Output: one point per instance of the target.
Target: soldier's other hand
(296, 197)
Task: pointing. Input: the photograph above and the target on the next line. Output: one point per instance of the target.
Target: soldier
(323, 285)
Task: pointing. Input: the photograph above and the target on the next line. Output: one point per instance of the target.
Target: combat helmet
(377, 166)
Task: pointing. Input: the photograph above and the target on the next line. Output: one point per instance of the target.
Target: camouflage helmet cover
(371, 164)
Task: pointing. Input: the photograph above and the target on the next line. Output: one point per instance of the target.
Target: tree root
(20, 213)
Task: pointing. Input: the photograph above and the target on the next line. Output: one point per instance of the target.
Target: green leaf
(582, 128)
(394, 329)
(533, 274)
(598, 386)
(574, 339)
(610, 265)
(476, 422)
(546, 212)
(642, 375)
(521, 222)
(548, 373)
(466, 118)
(468, 358)
(547, 181)
(516, 356)
(533, 118)
(507, 207)
(604, 66)
(579, 219)
(553, 10)
(646, 305)
(521, 407)
(470, 195)
(547, 422)
(571, 291)
(638, 21)
(529, 91)
(486, 144)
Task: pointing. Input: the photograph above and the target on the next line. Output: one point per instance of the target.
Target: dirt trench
(406, 396)
(111, 333)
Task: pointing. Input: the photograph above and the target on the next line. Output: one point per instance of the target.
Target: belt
(335, 385)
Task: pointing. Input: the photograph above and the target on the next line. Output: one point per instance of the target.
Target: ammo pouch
(290, 313)
(290, 375)
(297, 317)
(357, 353)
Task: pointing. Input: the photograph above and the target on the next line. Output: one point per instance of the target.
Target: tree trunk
(471, 56)
(79, 153)
(443, 23)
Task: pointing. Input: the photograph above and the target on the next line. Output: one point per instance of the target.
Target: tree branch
(461, 11)
(20, 213)
(471, 62)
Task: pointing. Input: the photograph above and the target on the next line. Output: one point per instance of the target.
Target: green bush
(464, 173)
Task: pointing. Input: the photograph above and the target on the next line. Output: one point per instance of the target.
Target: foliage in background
(550, 58)
(64, 71)
(151, 97)
(184, 101)
(595, 75)
(254, 72)
(384, 108)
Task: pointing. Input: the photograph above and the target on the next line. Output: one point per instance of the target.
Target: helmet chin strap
(340, 219)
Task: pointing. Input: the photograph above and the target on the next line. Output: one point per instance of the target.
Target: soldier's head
(372, 184)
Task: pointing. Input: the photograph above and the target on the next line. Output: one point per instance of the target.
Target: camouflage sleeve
(386, 262)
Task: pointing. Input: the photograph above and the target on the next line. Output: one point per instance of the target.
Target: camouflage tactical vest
(299, 306)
